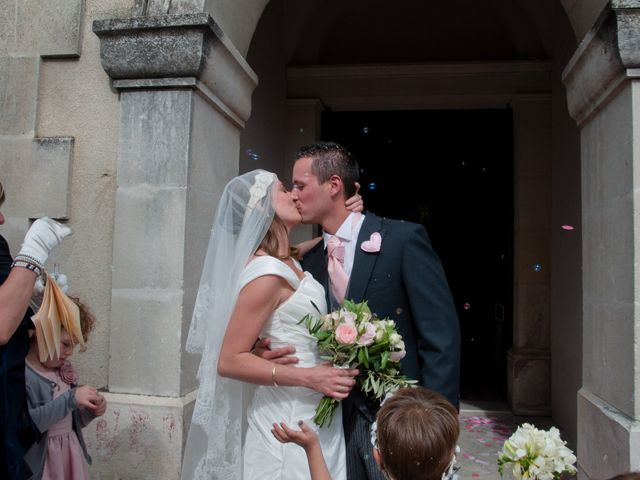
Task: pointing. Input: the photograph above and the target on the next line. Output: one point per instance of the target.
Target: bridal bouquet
(354, 337)
(536, 454)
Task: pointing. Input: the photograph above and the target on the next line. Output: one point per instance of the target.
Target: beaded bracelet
(28, 265)
(29, 259)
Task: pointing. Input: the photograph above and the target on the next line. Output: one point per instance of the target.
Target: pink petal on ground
(475, 475)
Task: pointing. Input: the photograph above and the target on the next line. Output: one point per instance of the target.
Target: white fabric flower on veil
(261, 185)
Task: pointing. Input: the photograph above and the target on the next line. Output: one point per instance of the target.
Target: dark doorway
(451, 171)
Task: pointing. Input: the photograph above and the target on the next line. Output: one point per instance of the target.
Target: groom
(389, 263)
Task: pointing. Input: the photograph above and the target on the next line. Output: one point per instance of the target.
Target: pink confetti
(567, 227)
(475, 475)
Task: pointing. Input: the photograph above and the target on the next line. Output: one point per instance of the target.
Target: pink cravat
(335, 267)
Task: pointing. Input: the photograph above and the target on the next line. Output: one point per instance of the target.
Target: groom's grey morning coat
(404, 281)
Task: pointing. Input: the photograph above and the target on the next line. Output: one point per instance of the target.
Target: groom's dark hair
(330, 158)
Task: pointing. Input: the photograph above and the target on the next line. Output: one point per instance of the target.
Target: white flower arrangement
(536, 454)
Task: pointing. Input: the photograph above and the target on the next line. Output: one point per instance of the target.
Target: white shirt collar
(347, 230)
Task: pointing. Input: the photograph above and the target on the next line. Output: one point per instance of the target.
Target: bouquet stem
(325, 411)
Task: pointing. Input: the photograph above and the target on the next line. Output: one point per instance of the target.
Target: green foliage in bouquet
(354, 337)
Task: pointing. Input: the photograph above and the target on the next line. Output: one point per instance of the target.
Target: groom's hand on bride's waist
(282, 356)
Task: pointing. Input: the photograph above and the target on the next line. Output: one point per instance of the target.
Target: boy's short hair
(418, 432)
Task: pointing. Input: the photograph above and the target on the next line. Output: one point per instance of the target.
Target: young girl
(414, 437)
(60, 409)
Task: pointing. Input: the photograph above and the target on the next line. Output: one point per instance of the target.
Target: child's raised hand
(87, 397)
(305, 437)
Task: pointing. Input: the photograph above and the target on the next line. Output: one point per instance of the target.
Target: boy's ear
(378, 458)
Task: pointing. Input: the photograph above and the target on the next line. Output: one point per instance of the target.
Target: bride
(252, 286)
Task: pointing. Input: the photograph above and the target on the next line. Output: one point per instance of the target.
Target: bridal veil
(244, 214)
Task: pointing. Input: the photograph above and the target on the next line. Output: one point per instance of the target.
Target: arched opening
(314, 57)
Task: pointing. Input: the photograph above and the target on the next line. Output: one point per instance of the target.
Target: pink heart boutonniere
(373, 244)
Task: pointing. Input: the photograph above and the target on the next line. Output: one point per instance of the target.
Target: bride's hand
(332, 382)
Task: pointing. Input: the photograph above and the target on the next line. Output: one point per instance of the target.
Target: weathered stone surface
(139, 437)
(609, 440)
(531, 329)
(528, 382)
(43, 166)
(145, 332)
(18, 94)
(154, 138)
(49, 29)
(608, 56)
(7, 26)
(189, 45)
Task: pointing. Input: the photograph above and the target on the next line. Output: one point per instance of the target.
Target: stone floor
(484, 426)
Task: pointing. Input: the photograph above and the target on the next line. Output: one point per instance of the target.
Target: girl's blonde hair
(87, 319)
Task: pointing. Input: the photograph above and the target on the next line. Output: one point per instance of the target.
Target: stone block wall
(35, 170)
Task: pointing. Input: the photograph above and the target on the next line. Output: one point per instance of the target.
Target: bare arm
(256, 303)
(16, 291)
(307, 439)
(15, 294)
(304, 247)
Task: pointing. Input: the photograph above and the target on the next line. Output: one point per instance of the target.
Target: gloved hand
(43, 236)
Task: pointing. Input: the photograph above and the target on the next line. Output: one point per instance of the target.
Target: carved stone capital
(177, 51)
(608, 56)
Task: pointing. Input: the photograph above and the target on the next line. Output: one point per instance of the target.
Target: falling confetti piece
(568, 227)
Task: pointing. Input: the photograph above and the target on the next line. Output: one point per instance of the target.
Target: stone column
(529, 375)
(603, 94)
(185, 94)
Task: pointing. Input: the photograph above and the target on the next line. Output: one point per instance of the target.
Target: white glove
(43, 236)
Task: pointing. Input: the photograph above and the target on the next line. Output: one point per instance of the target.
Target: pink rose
(397, 356)
(346, 334)
(368, 335)
(67, 373)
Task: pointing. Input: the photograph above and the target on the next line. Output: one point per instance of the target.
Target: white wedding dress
(263, 456)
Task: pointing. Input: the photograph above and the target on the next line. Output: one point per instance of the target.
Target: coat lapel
(363, 262)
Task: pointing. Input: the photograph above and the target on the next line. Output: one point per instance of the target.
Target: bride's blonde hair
(271, 242)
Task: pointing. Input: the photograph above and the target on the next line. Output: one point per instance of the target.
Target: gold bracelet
(273, 376)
